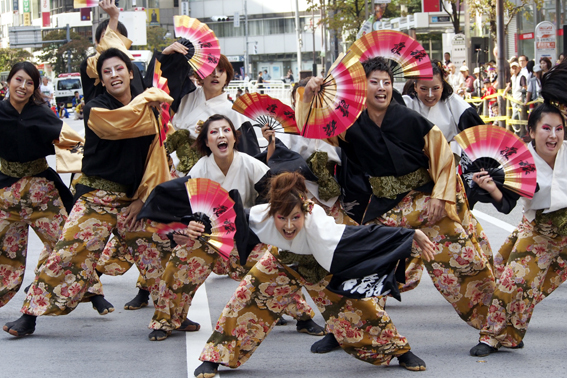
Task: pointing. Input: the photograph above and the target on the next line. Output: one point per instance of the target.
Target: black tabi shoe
(310, 327)
(27, 288)
(281, 321)
(326, 344)
(519, 346)
(207, 370)
(24, 326)
(140, 300)
(158, 335)
(189, 326)
(411, 362)
(101, 305)
(482, 349)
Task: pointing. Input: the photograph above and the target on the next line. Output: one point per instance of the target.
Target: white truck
(65, 86)
(142, 59)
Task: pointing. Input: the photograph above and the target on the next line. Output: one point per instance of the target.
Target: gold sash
(19, 170)
(391, 186)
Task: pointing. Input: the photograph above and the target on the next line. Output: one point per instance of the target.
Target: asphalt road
(85, 344)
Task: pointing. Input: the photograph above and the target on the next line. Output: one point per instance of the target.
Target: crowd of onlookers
(522, 78)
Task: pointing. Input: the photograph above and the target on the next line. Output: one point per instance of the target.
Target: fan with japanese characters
(411, 58)
(502, 154)
(340, 101)
(266, 110)
(204, 49)
(161, 83)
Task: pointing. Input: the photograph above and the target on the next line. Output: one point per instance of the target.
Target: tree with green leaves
(346, 17)
(56, 53)
(157, 38)
(487, 9)
(9, 57)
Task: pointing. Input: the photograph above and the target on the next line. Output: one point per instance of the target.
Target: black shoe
(140, 300)
(158, 335)
(482, 349)
(326, 344)
(24, 326)
(281, 321)
(189, 326)
(27, 288)
(411, 362)
(207, 370)
(101, 305)
(310, 327)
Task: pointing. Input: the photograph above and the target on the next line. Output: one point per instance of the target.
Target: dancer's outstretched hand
(427, 246)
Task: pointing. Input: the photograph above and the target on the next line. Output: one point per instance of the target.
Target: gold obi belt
(391, 186)
(557, 219)
(19, 170)
(103, 184)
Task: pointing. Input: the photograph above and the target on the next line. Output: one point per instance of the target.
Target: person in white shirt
(267, 75)
(46, 89)
(454, 79)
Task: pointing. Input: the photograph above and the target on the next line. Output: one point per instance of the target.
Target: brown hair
(201, 141)
(225, 65)
(33, 73)
(287, 190)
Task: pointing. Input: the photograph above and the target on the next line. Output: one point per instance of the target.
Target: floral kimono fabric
(461, 271)
(414, 265)
(188, 268)
(68, 272)
(31, 201)
(534, 267)
(362, 328)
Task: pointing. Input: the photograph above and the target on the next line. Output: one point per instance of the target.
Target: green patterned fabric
(103, 184)
(320, 165)
(391, 186)
(27, 169)
(556, 218)
(305, 265)
(182, 143)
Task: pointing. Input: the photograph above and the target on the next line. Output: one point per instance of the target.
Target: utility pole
(501, 56)
(68, 51)
(323, 38)
(246, 57)
(314, 52)
(298, 35)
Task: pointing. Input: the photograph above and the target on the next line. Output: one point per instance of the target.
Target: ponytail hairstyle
(438, 69)
(32, 72)
(287, 190)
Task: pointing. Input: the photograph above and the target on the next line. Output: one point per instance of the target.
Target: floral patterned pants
(35, 202)
(362, 328)
(68, 272)
(461, 272)
(535, 266)
(188, 268)
(414, 264)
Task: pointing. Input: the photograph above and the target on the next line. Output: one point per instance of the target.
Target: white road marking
(195, 341)
(490, 219)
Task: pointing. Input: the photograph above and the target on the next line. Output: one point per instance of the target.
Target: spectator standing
(267, 76)
(447, 59)
(453, 78)
(289, 76)
(260, 81)
(46, 89)
(545, 65)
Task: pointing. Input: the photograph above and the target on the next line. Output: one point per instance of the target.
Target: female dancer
(536, 250)
(122, 163)
(307, 244)
(191, 263)
(190, 105)
(31, 193)
(414, 187)
(434, 99)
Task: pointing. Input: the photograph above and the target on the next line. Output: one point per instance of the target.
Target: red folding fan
(266, 110)
(502, 154)
(413, 62)
(340, 101)
(204, 50)
(212, 206)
